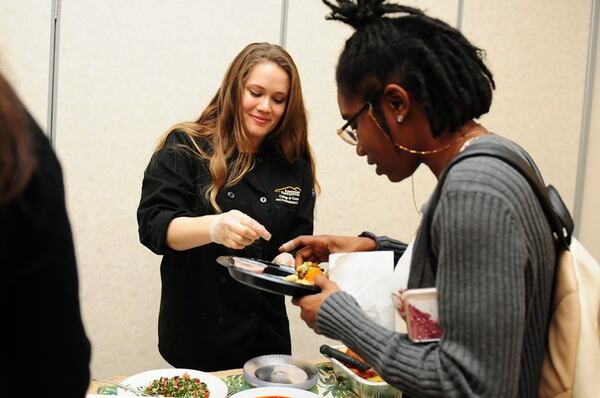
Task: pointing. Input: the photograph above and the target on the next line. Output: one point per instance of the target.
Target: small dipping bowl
(280, 371)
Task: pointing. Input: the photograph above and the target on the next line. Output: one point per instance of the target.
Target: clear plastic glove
(236, 230)
(285, 259)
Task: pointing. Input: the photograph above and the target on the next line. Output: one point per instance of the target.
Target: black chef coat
(207, 320)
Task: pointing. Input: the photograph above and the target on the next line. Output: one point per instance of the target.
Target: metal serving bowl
(280, 371)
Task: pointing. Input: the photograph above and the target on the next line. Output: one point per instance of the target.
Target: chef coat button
(231, 194)
(221, 320)
(222, 279)
(253, 315)
(263, 199)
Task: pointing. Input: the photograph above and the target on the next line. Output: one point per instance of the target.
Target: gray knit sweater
(494, 273)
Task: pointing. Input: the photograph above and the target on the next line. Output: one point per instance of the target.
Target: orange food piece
(367, 374)
(354, 355)
(312, 273)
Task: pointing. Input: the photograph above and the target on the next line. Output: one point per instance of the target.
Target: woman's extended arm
(166, 214)
(233, 229)
(318, 248)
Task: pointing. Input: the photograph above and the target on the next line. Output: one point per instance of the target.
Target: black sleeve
(303, 224)
(168, 191)
(385, 243)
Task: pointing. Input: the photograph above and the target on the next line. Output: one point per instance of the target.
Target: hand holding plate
(310, 305)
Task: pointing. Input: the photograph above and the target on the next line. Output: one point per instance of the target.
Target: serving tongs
(256, 265)
(344, 358)
(122, 386)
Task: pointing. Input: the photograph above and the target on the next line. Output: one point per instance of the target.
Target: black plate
(269, 283)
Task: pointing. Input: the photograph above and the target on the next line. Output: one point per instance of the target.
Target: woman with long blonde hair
(238, 180)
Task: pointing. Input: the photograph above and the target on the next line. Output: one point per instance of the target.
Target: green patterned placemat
(327, 385)
(107, 390)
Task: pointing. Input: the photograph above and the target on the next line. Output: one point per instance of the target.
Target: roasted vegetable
(305, 273)
(369, 374)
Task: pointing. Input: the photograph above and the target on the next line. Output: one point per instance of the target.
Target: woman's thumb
(321, 280)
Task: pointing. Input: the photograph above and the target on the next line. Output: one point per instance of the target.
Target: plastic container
(419, 309)
(362, 387)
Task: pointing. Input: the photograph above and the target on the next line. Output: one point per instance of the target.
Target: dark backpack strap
(556, 212)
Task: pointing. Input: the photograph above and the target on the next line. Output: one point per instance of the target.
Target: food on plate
(177, 386)
(305, 273)
(369, 374)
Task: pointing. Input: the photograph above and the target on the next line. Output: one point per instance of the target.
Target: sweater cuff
(386, 243)
(341, 318)
(333, 312)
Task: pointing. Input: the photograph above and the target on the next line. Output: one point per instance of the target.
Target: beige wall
(589, 227)
(537, 50)
(128, 70)
(24, 52)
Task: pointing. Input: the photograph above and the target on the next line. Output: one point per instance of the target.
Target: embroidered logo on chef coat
(288, 194)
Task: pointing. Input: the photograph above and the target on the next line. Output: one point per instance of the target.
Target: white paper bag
(399, 282)
(367, 277)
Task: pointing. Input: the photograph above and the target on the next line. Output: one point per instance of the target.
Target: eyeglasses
(349, 132)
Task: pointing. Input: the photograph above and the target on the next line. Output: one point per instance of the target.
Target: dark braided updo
(433, 61)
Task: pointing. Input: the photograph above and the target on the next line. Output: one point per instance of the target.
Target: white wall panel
(24, 52)
(589, 228)
(129, 70)
(537, 51)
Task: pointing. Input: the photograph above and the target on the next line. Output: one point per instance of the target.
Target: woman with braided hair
(410, 87)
